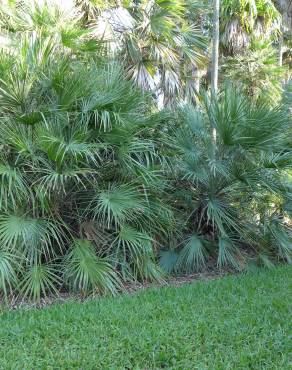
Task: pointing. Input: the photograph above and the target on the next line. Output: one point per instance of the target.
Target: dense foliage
(79, 173)
(257, 72)
(99, 187)
(243, 21)
(232, 192)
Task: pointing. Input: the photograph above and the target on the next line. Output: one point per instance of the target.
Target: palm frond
(85, 272)
(8, 272)
(132, 243)
(145, 268)
(282, 240)
(168, 260)
(193, 255)
(39, 280)
(118, 204)
(227, 254)
(35, 237)
(13, 187)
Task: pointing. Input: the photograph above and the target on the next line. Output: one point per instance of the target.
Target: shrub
(81, 180)
(231, 190)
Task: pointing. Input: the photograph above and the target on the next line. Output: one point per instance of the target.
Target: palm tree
(243, 21)
(285, 8)
(231, 199)
(249, 31)
(162, 44)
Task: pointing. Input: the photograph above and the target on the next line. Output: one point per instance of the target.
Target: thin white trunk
(215, 49)
(281, 51)
(215, 56)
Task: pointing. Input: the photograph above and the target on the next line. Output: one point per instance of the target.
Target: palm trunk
(215, 49)
(280, 59)
(215, 57)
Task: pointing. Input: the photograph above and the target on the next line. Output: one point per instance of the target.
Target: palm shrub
(52, 18)
(230, 191)
(257, 73)
(81, 181)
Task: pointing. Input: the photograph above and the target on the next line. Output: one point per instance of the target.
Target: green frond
(132, 243)
(19, 137)
(35, 237)
(53, 180)
(282, 241)
(193, 255)
(168, 260)
(85, 272)
(39, 280)
(227, 254)
(9, 268)
(265, 261)
(118, 204)
(13, 187)
(145, 268)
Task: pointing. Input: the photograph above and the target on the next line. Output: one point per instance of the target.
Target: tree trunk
(285, 8)
(215, 57)
(280, 59)
(215, 48)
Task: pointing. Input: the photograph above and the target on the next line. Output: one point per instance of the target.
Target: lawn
(236, 322)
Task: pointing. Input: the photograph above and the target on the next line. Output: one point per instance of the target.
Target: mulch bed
(15, 302)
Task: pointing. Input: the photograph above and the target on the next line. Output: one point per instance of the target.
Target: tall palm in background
(257, 72)
(251, 34)
(285, 8)
(161, 43)
(243, 21)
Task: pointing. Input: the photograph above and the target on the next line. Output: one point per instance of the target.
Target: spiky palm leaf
(84, 271)
(39, 280)
(193, 255)
(168, 260)
(33, 236)
(9, 267)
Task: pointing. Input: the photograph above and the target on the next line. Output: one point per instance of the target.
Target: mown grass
(239, 322)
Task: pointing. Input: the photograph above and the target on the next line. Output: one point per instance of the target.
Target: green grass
(239, 322)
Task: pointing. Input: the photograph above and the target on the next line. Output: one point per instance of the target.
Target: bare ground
(16, 302)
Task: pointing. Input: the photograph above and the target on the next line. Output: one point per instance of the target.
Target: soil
(15, 302)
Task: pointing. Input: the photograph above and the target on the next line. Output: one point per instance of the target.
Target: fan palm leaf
(86, 272)
(39, 280)
(8, 272)
(193, 255)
